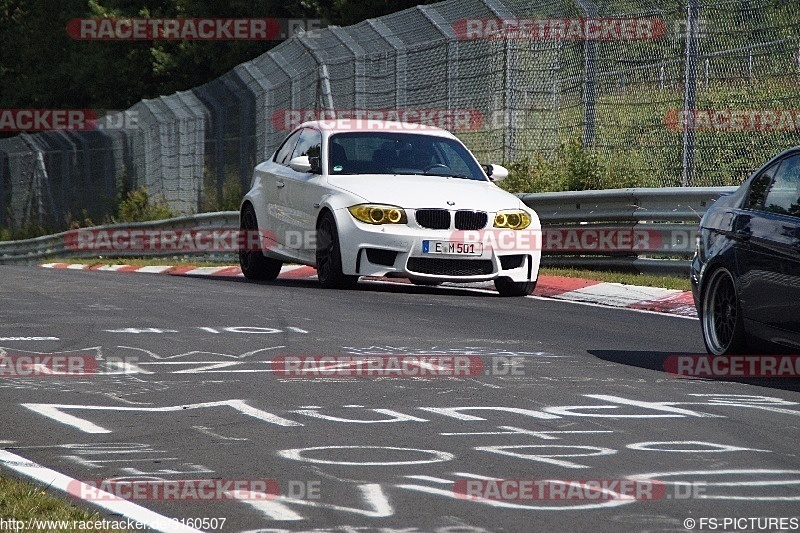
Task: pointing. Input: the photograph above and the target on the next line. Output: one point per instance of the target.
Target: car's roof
(329, 127)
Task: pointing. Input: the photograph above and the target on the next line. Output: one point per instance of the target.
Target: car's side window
(454, 159)
(283, 155)
(310, 144)
(759, 187)
(784, 193)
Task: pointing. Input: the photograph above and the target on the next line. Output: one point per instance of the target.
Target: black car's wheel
(721, 320)
(329, 256)
(253, 262)
(506, 287)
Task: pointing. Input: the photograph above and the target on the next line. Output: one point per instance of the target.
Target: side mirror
(300, 163)
(496, 172)
(316, 167)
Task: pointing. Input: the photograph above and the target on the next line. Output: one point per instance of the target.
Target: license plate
(452, 248)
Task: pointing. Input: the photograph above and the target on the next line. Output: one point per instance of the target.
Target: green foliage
(139, 206)
(224, 198)
(24, 501)
(42, 66)
(573, 168)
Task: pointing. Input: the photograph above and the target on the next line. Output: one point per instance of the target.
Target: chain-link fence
(662, 92)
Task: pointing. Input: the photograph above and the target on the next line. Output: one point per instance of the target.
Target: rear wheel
(721, 321)
(253, 262)
(506, 287)
(329, 256)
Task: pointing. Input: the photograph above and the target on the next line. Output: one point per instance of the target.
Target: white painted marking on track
(372, 494)
(746, 484)
(297, 455)
(55, 412)
(29, 339)
(614, 501)
(105, 500)
(199, 352)
(153, 269)
(658, 406)
(476, 476)
(617, 294)
(432, 479)
(701, 447)
(207, 431)
(205, 271)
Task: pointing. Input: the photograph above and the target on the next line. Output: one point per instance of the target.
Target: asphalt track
(185, 390)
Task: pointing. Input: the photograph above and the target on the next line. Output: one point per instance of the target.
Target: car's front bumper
(398, 251)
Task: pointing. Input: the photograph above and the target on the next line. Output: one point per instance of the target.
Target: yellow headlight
(378, 214)
(516, 219)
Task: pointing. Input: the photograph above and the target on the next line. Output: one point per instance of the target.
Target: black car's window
(400, 153)
(310, 144)
(784, 194)
(282, 156)
(759, 187)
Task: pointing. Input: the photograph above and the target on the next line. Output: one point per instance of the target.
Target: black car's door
(768, 250)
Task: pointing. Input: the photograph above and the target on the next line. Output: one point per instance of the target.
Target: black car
(746, 269)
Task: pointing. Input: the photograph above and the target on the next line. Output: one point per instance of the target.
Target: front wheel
(253, 262)
(329, 256)
(506, 287)
(721, 320)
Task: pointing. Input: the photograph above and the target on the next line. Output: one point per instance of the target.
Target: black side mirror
(488, 169)
(316, 168)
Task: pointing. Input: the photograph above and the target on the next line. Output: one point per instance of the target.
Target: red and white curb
(669, 301)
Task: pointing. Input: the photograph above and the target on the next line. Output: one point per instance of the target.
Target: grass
(23, 501)
(647, 280)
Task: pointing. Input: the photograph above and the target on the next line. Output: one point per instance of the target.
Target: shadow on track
(652, 360)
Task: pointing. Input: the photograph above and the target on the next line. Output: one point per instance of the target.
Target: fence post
(589, 76)
(689, 93)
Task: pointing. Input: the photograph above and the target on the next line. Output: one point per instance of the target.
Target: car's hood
(416, 192)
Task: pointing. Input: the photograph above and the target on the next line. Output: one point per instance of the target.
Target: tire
(506, 287)
(721, 315)
(255, 265)
(329, 256)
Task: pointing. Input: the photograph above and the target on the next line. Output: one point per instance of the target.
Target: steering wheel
(435, 165)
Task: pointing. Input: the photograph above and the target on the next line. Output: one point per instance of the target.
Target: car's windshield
(400, 153)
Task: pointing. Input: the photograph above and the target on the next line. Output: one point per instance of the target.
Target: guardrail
(644, 229)
(57, 245)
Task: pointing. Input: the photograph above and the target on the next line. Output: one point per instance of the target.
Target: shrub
(138, 206)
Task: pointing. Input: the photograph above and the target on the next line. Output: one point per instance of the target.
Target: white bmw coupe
(387, 199)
